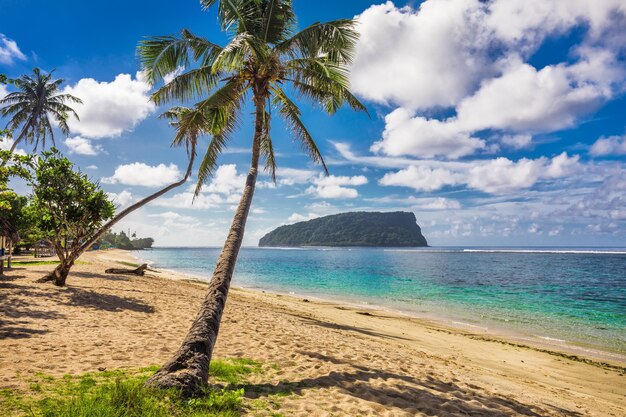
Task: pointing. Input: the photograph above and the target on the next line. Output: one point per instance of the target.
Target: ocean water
(570, 296)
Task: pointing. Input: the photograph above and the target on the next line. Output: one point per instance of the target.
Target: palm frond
(187, 86)
(266, 148)
(335, 40)
(162, 55)
(227, 95)
(290, 113)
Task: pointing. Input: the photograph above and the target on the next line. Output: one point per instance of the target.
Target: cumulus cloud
(522, 101)
(495, 176)
(9, 52)
(226, 180)
(477, 52)
(437, 203)
(336, 186)
(224, 190)
(121, 199)
(517, 141)
(404, 50)
(421, 178)
(82, 146)
(613, 145)
(418, 136)
(110, 108)
(144, 175)
(296, 217)
(502, 176)
(3, 91)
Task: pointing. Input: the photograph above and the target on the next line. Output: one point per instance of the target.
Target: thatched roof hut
(43, 247)
(8, 232)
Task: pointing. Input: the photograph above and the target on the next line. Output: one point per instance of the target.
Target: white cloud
(613, 145)
(144, 175)
(477, 52)
(292, 176)
(3, 91)
(503, 176)
(517, 141)
(110, 108)
(82, 146)
(9, 52)
(224, 190)
(523, 100)
(421, 178)
(495, 176)
(402, 50)
(225, 180)
(121, 199)
(295, 217)
(438, 203)
(92, 167)
(418, 136)
(167, 78)
(334, 186)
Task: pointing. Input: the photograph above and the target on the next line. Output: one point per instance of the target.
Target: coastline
(338, 359)
(500, 334)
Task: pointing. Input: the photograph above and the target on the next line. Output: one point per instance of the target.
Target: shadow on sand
(20, 305)
(429, 396)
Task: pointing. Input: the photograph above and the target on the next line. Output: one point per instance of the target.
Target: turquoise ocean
(572, 297)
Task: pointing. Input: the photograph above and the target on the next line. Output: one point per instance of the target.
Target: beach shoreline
(480, 329)
(343, 359)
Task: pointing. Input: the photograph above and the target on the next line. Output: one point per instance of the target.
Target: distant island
(396, 229)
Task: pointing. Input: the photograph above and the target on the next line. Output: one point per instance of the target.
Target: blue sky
(496, 123)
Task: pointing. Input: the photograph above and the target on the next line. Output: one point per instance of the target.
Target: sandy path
(332, 359)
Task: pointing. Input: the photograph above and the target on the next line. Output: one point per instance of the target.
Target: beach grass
(117, 393)
(132, 264)
(39, 263)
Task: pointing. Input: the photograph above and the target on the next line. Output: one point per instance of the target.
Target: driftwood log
(137, 271)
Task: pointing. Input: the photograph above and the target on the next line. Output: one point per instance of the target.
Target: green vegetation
(69, 207)
(32, 107)
(268, 60)
(398, 229)
(122, 241)
(122, 393)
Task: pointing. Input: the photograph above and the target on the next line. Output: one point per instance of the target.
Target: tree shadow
(328, 325)
(429, 396)
(17, 332)
(107, 302)
(104, 276)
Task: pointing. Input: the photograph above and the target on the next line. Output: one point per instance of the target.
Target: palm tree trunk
(188, 369)
(94, 238)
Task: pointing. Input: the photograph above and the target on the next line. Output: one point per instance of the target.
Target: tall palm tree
(190, 125)
(32, 107)
(265, 59)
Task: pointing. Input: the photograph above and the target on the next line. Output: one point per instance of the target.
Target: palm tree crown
(264, 56)
(32, 107)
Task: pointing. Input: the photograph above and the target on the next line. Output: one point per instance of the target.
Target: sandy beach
(331, 359)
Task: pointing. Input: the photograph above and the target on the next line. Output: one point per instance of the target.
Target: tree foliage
(32, 107)
(267, 58)
(122, 241)
(69, 206)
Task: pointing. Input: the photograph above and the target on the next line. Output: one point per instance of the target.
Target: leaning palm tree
(32, 107)
(262, 59)
(190, 125)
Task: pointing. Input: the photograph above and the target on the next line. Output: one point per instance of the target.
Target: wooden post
(10, 254)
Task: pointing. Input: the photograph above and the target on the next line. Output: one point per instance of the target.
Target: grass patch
(233, 371)
(131, 264)
(37, 263)
(121, 393)
(33, 263)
